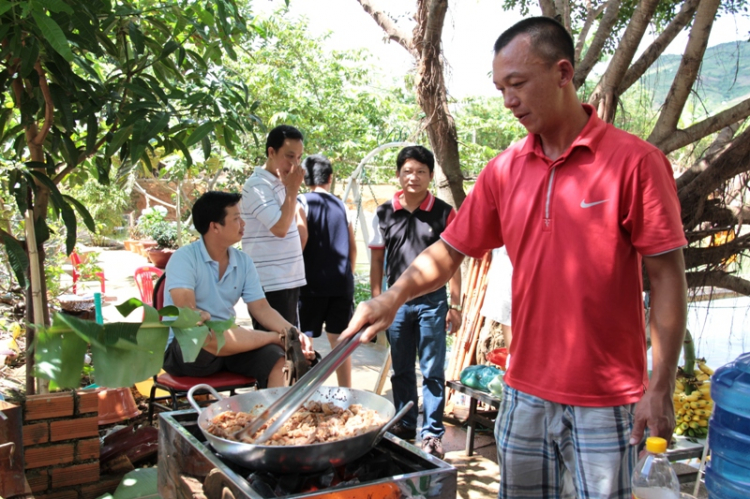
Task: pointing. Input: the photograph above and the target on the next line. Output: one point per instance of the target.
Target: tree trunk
(425, 46)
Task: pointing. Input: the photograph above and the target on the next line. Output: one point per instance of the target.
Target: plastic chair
(75, 259)
(178, 386)
(144, 279)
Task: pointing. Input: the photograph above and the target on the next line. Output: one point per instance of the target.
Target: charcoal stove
(189, 468)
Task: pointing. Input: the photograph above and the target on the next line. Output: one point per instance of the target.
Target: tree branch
(389, 26)
(563, 10)
(606, 91)
(49, 106)
(591, 15)
(713, 256)
(595, 49)
(548, 8)
(683, 82)
(722, 141)
(730, 162)
(658, 46)
(718, 279)
(681, 138)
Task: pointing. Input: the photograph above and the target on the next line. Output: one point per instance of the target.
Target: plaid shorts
(554, 451)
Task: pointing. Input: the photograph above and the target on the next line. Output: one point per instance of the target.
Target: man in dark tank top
(330, 253)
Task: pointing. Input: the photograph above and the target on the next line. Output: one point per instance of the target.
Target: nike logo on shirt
(584, 204)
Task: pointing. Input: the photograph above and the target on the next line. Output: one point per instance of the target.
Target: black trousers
(284, 301)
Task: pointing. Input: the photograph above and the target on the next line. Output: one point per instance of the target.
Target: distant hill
(724, 77)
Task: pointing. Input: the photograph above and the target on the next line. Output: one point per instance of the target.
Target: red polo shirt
(575, 229)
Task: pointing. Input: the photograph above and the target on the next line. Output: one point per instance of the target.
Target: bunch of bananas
(692, 401)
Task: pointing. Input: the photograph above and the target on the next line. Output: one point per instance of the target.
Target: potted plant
(165, 235)
(146, 222)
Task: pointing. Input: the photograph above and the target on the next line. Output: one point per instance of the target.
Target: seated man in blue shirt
(210, 276)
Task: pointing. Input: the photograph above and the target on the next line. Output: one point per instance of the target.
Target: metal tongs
(298, 394)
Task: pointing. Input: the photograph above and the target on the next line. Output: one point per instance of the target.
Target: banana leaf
(124, 353)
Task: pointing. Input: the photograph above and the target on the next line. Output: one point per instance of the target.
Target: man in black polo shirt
(403, 228)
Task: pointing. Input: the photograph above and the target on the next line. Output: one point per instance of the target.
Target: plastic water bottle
(654, 477)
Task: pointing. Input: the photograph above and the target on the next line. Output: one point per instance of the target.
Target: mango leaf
(92, 130)
(82, 212)
(29, 56)
(19, 260)
(56, 6)
(53, 34)
(59, 356)
(200, 132)
(136, 36)
(71, 227)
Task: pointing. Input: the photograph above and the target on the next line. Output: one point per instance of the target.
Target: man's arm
(270, 318)
(377, 261)
(668, 322)
(430, 270)
(302, 226)
(453, 319)
(237, 339)
(291, 182)
(352, 249)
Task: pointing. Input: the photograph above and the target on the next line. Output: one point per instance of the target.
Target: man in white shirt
(269, 207)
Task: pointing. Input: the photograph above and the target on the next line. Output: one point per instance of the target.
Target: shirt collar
(262, 172)
(426, 205)
(589, 137)
(207, 258)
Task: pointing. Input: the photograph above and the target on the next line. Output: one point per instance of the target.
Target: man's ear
(566, 72)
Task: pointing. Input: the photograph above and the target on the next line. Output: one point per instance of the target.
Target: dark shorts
(284, 301)
(254, 364)
(334, 311)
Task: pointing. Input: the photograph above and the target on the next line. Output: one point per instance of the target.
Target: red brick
(68, 429)
(73, 475)
(48, 405)
(59, 494)
(87, 449)
(106, 484)
(36, 457)
(88, 401)
(34, 434)
(38, 480)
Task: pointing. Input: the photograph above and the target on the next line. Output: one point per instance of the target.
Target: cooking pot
(295, 458)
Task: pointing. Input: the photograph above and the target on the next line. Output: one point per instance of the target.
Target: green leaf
(200, 132)
(18, 186)
(185, 152)
(191, 340)
(19, 260)
(136, 36)
(29, 56)
(180, 56)
(169, 47)
(218, 327)
(49, 184)
(160, 121)
(82, 212)
(71, 227)
(118, 140)
(55, 6)
(206, 143)
(53, 34)
(41, 230)
(138, 484)
(92, 130)
(59, 356)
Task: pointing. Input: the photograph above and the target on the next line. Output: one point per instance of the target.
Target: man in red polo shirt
(579, 205)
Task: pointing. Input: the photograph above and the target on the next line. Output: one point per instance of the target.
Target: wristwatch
(455, 307)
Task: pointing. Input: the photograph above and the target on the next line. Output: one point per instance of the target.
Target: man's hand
(378, 313)
(205, 316)
(655, 411)
(452, 321)
(292, 180)
(307, 346)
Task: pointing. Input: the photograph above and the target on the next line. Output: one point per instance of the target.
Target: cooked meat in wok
(314, 422)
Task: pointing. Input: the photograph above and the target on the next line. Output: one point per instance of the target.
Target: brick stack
(61, 443)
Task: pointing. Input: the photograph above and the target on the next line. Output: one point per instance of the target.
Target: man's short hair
(278, 135)
(318, 170)
(418, 153)
(212, 207)
(550, 39)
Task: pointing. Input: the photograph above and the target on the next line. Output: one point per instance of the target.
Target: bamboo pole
(36, 299)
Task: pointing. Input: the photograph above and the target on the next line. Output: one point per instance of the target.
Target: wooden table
(485, 418)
